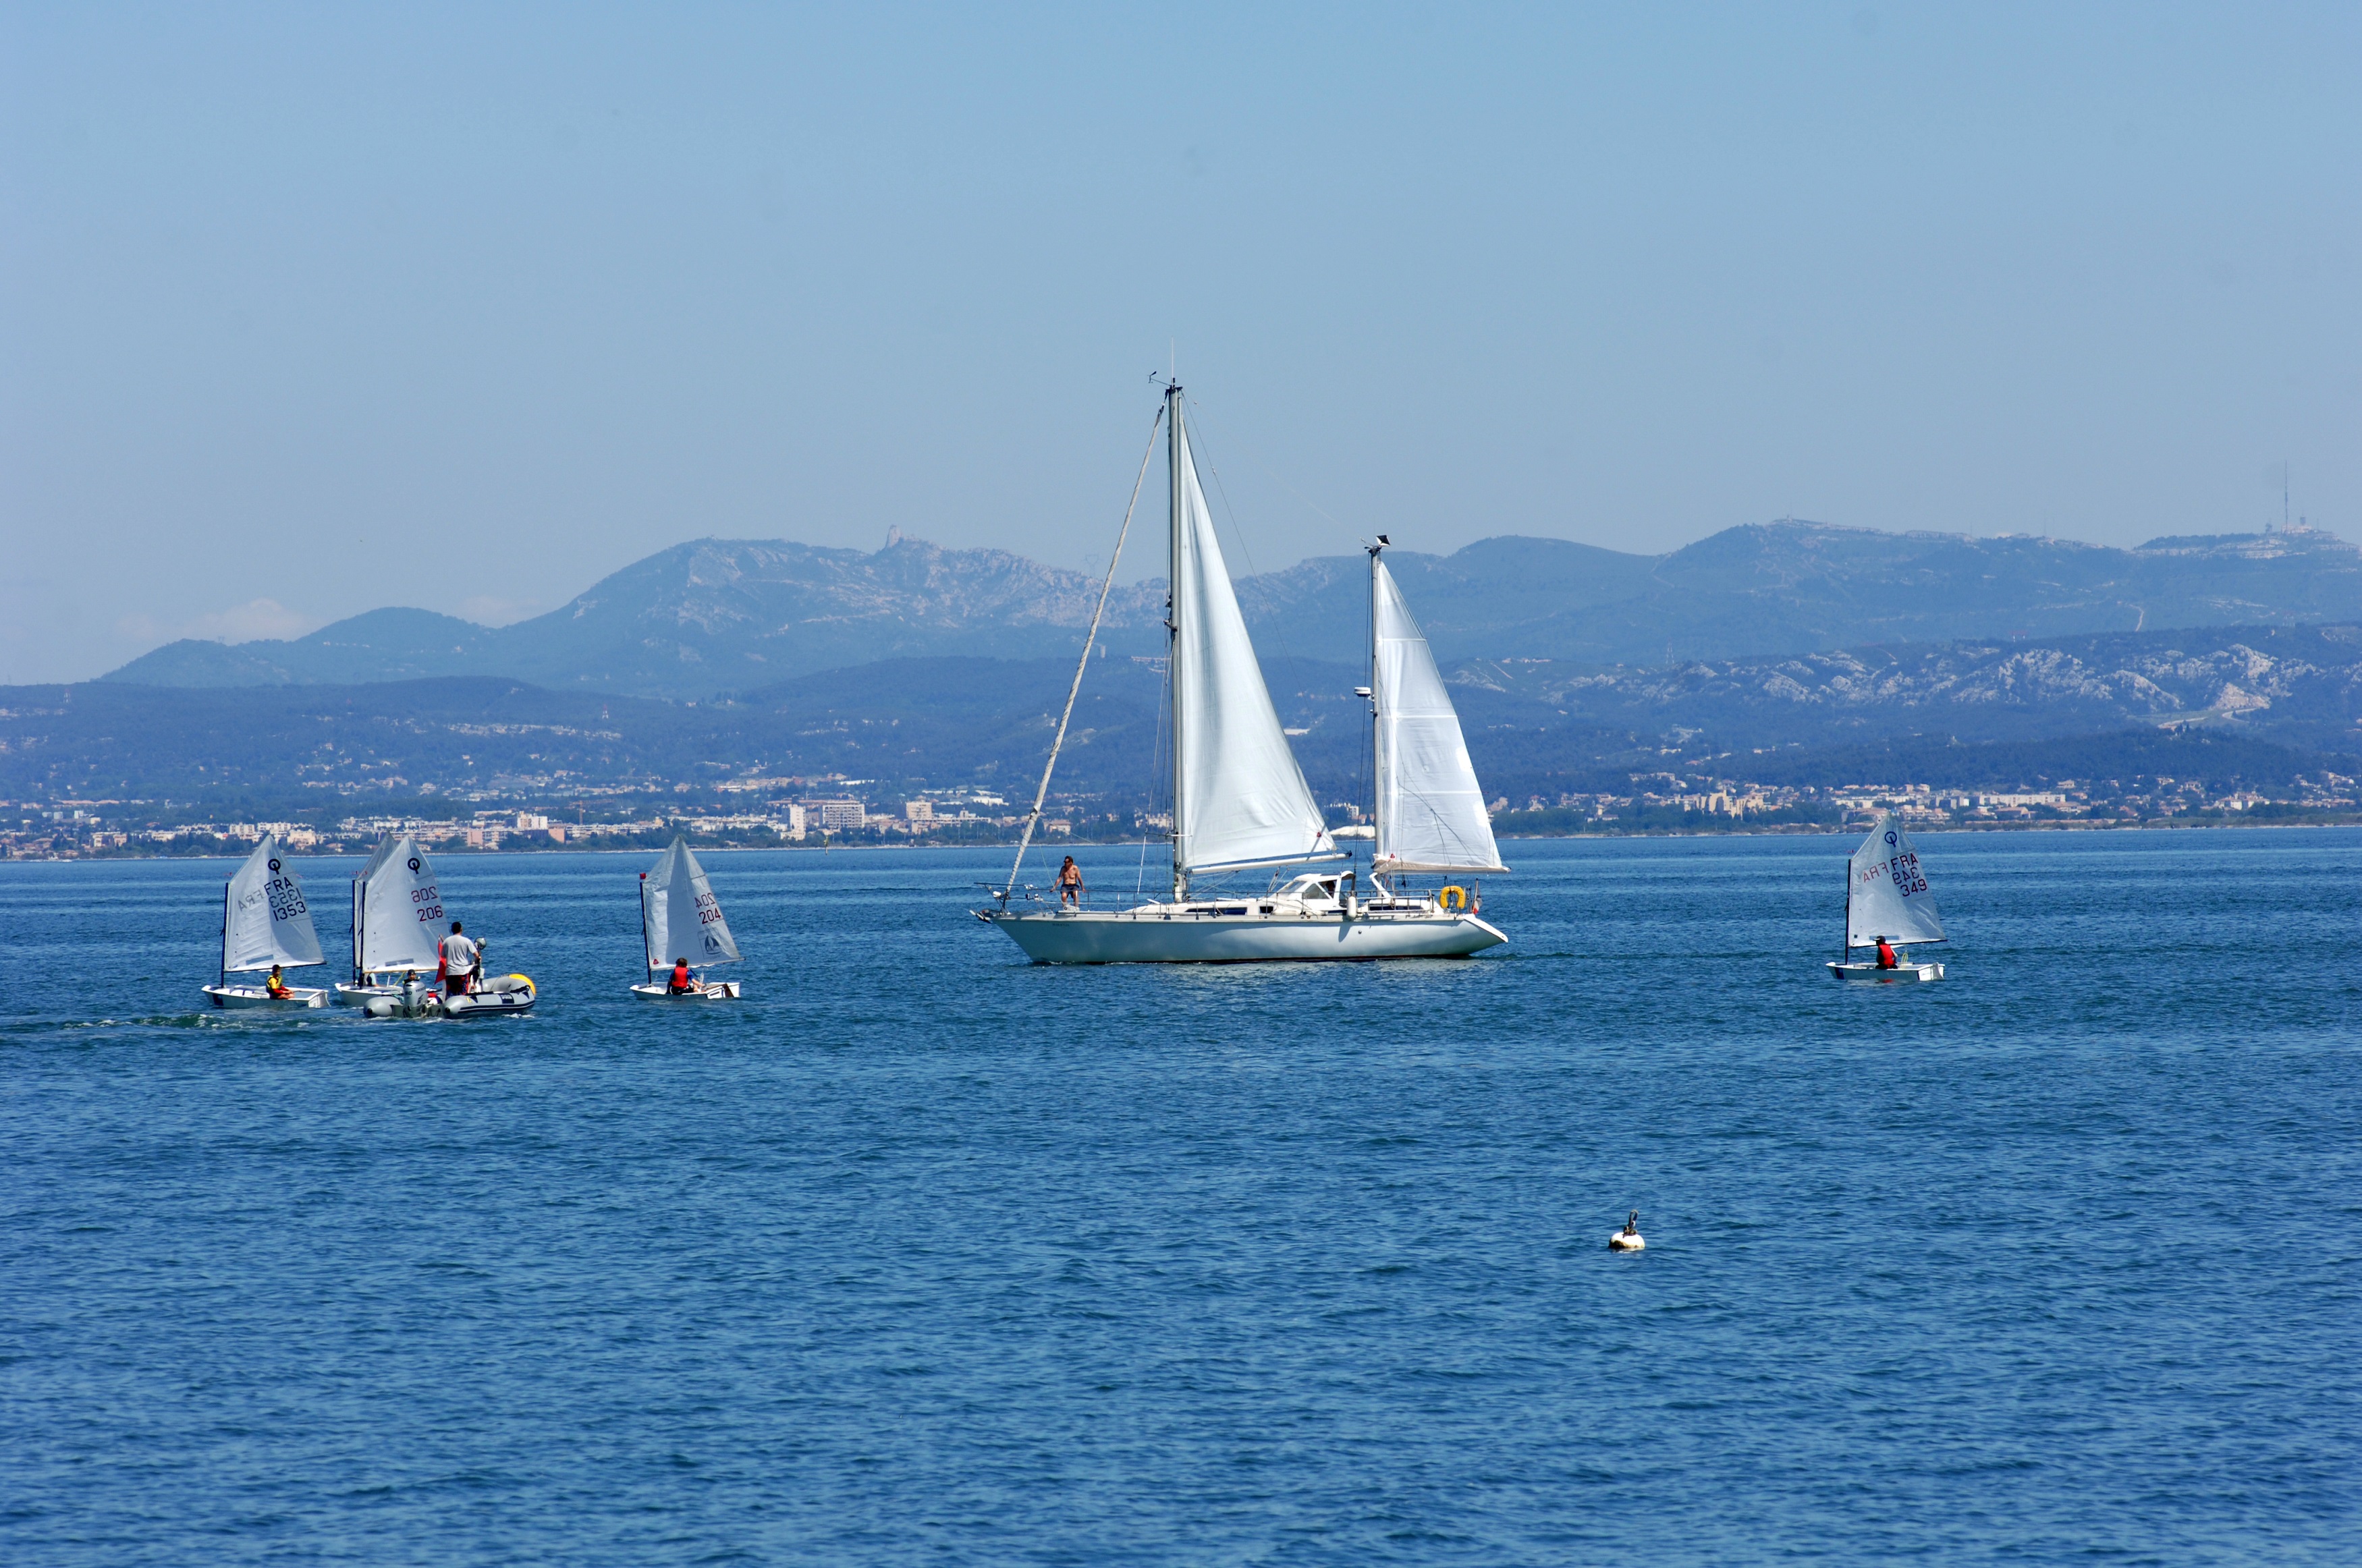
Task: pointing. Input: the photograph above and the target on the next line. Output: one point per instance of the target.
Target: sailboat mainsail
(396, 907)
(679, 917)
(1886, 893)
(1430, 809)
(1238, 798)
(265, 919)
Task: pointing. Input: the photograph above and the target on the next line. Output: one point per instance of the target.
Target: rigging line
(1308, 502)
(1041, 794)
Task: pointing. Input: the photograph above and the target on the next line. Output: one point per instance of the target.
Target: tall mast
(1176, 454)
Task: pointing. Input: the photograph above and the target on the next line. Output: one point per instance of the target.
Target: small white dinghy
(266, 926)
(1887, 901)
(397, 913)
(680, 921)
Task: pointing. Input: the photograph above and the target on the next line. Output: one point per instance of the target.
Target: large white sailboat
(680, 923)
(1241, 804)
(266, 925)
(397, 919)
(1887, 901)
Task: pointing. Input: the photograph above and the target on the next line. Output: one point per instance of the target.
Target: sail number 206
(429, 902)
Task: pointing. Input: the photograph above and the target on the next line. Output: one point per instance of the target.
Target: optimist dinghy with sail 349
(266, 925)
(1887, 900)
(680, 916)
(1239, 801)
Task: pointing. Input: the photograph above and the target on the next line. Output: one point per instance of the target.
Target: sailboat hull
(1134, 936)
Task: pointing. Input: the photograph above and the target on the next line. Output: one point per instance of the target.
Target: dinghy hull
(256, 996)
(714, 990)
(1158, 936)
(1871, 974)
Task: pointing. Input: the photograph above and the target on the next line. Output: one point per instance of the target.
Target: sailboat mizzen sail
(1239, 803)
(1430, 809)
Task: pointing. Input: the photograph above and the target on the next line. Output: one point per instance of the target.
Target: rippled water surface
(920, 1253)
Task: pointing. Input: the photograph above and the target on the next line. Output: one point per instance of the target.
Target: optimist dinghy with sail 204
(1239, 801)
(266, 925)
(397, 915)
(679, 916)
(1887, 901)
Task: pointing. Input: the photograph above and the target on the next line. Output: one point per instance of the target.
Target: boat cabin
(1312, 890)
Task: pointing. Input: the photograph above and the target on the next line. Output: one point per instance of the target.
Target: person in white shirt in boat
(1070, 882)
(1887, 958)
(459, 956)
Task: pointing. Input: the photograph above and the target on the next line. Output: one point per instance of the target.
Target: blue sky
(305, 310)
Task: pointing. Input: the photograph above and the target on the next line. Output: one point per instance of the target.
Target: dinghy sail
(266, 925)
(1241, 803)
(1430, 809)
(397, 918)
(1887, 900)
(680, 918)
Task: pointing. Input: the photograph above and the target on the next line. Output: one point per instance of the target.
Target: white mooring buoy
(1628, 1239)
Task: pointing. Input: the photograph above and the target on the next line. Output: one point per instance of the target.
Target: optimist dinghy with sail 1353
(266, 925)
(679, 916)
(397, 910)
(1239, 801)
(1887, 901)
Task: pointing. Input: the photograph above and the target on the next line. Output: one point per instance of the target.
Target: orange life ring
(1452, 898)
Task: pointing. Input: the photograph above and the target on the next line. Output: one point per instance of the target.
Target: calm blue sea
(922, 1255)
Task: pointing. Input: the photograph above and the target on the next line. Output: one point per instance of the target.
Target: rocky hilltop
(717, 615)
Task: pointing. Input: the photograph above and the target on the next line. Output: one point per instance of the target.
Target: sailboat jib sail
(1886, 892)
(1239, 799)
(1430, 813)
(680, 916)
(401, 909)
(267, 921)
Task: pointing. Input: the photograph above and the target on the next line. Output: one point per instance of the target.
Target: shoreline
(1785, 830)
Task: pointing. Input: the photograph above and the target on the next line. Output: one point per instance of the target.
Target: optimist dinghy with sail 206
(1239, 801)
(1887, 900)
(266, 925)
(397, 915)
(679, 916)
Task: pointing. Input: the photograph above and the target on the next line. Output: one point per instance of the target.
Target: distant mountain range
(1533, 725)
(718, 617)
